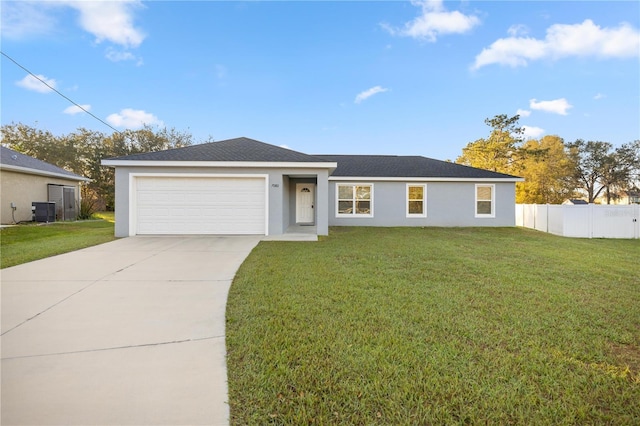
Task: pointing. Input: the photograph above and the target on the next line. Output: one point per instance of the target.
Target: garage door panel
(211, 205)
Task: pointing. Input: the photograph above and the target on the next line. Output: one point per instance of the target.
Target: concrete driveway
(130, 332)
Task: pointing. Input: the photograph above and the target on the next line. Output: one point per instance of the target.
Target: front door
(305, 197)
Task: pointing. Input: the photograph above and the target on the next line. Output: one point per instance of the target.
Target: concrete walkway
(130, 332)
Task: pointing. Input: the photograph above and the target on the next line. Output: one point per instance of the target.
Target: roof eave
(426, 179)
(226, 164)
(37, 172)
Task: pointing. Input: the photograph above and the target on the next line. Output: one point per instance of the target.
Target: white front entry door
(305, 198)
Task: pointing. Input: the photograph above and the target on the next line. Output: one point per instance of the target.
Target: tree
(549, 178)
(130, 142)
(82, 151)
(599, 167)
(501, 151)
(621, 170)
(40, 144)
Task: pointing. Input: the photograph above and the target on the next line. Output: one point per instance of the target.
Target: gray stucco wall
(448, 204)
(278, 193)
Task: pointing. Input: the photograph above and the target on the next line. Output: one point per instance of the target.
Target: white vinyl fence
(586, 221)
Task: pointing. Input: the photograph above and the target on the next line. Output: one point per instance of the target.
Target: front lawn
(25, 243)
(404, 326)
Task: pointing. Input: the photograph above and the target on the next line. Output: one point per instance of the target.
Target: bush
(87, 209)
(88, 204)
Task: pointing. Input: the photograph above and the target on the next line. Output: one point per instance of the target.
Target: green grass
(25, 243)
(409, 326)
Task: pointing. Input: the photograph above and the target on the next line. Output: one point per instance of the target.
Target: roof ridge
(236, 149)
(363, 155)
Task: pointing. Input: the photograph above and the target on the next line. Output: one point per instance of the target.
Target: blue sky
(392, 77)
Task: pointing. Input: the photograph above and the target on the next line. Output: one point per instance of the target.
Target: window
(485, 200)
(355, 200)
(416, 200)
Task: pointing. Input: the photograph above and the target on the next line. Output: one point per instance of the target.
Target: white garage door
(200, 205)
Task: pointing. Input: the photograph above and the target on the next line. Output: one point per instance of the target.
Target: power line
(55, 90)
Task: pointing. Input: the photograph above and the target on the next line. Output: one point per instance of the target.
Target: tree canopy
(501, 151)
(554, 170)
(549, 177)
(82, 151)
(599, 167)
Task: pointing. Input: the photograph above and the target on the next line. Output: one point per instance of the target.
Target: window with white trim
(354, 200)
(485, 200)
(416, 200)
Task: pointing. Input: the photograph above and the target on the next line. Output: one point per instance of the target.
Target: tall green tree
(621, 170)
(82, 151)
(147, 139)
(600, 167)
(501, 152)
(37, 143)
(505, 151)
(549, 178)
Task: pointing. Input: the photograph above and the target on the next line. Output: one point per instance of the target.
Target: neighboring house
(632, 196)
(575, 202)
(24, 180)
(242, 186)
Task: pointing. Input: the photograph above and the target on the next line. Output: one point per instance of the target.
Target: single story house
(24, 180)
(243, 186)
(575, 202)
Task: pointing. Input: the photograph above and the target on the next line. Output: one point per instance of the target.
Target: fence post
(547, 224)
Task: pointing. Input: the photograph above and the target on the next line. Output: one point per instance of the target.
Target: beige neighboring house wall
(24, 180)
(22, 189)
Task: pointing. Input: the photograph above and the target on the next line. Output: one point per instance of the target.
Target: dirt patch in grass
(629, 356)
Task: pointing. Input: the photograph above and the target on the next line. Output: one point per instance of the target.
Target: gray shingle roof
(238, 149)
(578, 202)
(11, 158)
(250, 150)
(404, 166)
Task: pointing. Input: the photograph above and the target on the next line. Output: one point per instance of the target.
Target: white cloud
(518, 30)
(30, 82)
(368, 93)
(531, 132)
(599, 96)
(24, 19)
(107, 20)
(133, 119)
(75, 109)
(110, 20)
(556, 106)
(561, 40)
(119, 55)
(122, 55)
(434, 21)
(523, 112)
